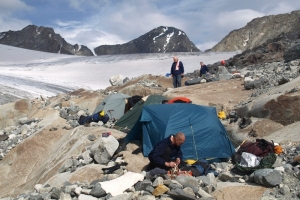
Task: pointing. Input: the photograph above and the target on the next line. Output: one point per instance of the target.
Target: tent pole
(194, 141)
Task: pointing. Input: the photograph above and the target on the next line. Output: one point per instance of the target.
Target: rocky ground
(45, 154)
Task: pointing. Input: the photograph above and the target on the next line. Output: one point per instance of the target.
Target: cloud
(88, 5)
(84, 34)
(12, 6)
(236, 19)
(280, 8)
(206, 45)
(9, 11)
(133, 19)
(113, 24)
(61, 23)
(12, 24)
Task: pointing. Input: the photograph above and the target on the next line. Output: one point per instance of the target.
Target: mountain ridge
(258, 31)
(159, 40)
(42, 39)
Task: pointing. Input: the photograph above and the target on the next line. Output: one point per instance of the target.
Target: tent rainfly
(206, 137)
(113, 105)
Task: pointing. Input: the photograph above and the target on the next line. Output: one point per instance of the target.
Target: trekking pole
(236, 149)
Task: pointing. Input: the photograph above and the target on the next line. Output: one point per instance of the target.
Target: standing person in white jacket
(177, 71)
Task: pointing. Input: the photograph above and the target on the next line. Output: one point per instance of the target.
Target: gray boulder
(188, 181)
(292, 53)
(180, 194)
(104, 149)
(223, 74)
(255, 84)
(97, 191)
(267, 177)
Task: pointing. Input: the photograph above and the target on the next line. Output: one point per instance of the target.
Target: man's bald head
(179, 138)
(175, 58)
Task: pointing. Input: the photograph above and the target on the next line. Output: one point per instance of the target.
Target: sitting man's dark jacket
(164, 151)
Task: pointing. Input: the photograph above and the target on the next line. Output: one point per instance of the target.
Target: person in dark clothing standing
(203, 70)
(177, 71)
(167, 153)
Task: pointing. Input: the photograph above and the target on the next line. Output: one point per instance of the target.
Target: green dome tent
(113, 105)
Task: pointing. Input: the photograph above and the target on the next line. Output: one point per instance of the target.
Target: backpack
(85, 119)
(260, 148)
(266, 162)
(97, 117)
(93, 118)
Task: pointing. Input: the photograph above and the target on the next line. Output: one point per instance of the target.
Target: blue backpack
(93, 118)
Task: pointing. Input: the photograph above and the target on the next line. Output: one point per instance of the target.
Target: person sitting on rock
(167, 153)
(203, 70)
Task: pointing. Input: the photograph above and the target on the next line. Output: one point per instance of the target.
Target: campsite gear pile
(175, 171)
(198, 167)
(252, 156)
(100, 116)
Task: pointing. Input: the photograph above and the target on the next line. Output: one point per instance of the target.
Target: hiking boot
(245, 122)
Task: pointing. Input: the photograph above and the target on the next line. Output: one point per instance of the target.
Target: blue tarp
(206, 136)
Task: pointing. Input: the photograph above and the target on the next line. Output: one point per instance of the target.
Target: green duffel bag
(266, 162)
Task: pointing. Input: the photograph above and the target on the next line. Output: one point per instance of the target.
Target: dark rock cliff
(258, 31)
(42, 39)
(159, 40)
(285, 47)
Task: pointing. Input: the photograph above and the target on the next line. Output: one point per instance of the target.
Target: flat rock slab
(238, 191)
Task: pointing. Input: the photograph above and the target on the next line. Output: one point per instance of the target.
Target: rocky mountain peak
(259, 31)
(42, 39)
(159, 40)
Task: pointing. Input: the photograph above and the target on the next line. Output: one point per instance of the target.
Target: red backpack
(260, 148)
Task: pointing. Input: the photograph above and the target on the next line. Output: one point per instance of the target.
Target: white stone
(23, 120)
(11, 136)
(86, 191)
(86, 197)
(64, 196)
(248, 80)
(78, 190)
(117, 80)
(37, 187)
(81, 112)
(241, 180)
(281, 168)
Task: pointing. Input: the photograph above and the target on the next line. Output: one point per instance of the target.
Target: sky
(98, 22)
